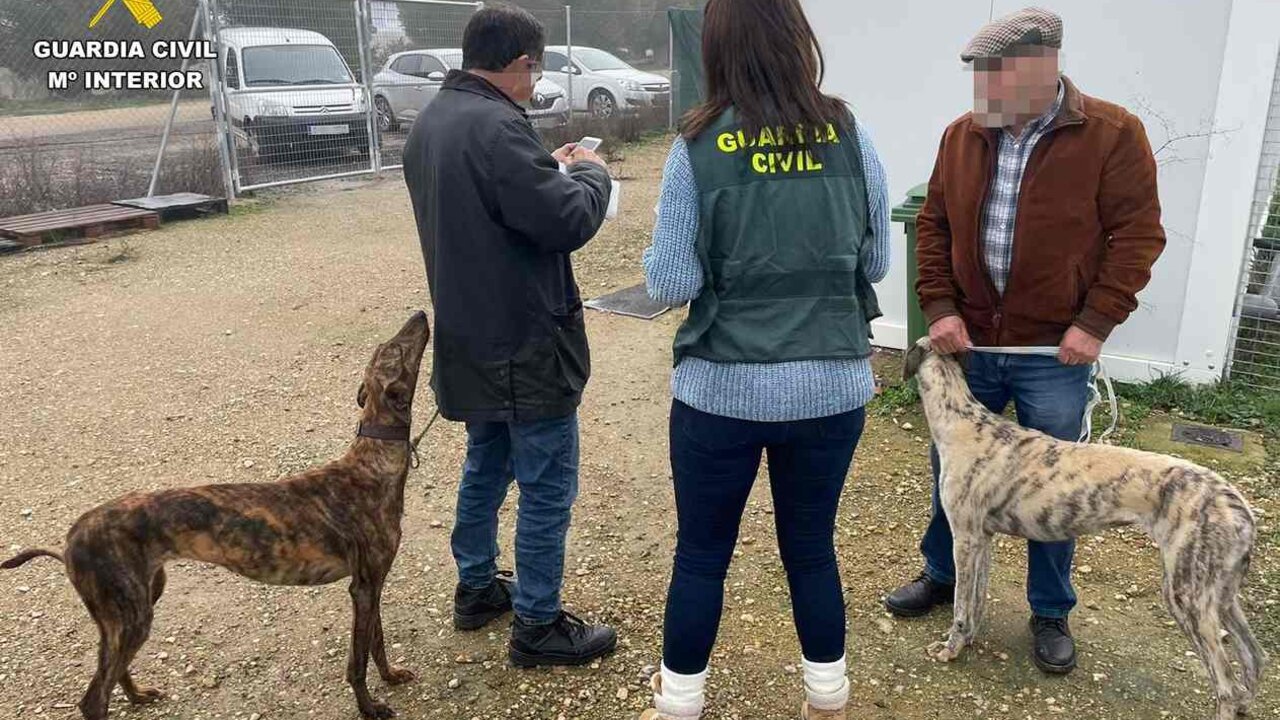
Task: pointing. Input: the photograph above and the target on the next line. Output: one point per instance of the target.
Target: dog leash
(1097, 374)
(413, 444)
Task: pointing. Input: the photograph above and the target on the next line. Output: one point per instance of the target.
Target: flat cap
(1027, 27)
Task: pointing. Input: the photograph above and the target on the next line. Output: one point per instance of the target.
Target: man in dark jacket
(497, 220)
(1040, 228)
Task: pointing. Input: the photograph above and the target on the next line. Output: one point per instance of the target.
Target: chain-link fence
(289, 93)
(64, 143)
(295, 90)
(414, 45)
(1255, 358)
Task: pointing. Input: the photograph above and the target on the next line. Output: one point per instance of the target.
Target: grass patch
(35, 178)
(1228, 403)
(250, 204)
(895, 399)
(1224, 403)
(616, 132)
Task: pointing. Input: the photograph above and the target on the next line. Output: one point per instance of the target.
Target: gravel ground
(228, 350)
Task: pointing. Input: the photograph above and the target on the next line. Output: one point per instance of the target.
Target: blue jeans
(1049, 397)
(714, 461)
(542, 456)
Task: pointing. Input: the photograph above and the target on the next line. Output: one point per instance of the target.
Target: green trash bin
(906, 214)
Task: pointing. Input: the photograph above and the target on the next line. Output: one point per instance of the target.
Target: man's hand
(949, 335)
(572, 153)
(565, 154)
(1079, 348)
(581, 154)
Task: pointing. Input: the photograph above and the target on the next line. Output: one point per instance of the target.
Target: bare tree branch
(1166, 153)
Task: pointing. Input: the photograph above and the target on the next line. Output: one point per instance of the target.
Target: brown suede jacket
(1085, 237)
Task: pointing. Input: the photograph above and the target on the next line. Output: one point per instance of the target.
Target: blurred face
(520, 77)
(1011, 91)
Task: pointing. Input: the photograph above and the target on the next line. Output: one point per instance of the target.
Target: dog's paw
(378, 710)
(942, 652)
(399, 676)
(146, 696)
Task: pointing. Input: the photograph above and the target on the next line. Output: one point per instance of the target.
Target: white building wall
(898, 64)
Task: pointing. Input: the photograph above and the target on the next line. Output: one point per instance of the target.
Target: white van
(289, 92)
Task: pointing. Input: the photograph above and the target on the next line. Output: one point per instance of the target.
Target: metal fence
(300, 90)
(1255, 358)
(413, 46)
(74, 146)
(288, 92)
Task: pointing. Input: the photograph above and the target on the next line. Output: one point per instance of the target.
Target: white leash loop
(1096, 374)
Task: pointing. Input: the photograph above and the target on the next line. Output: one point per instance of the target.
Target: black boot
(473, 609)
(567, 641)
(1053, 649)
(919, 597)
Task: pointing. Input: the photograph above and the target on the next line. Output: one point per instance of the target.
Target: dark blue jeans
(542, 456)
(714, 461)
(1049, 397)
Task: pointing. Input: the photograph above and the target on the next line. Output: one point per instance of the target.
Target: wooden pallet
(76, 223)
(179, 206)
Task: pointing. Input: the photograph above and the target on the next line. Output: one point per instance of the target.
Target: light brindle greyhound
(334, 521)
(998, 477)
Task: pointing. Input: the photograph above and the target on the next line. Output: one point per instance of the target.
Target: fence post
(671, 70)
(568, 43)
(364, 20)
(226, 153)
(173, 111)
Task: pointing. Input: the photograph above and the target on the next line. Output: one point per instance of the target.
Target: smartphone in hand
(590, 143)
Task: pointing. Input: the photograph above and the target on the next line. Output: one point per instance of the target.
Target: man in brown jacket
(1041, 226)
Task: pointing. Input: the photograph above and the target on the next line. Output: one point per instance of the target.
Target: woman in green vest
(773, 224)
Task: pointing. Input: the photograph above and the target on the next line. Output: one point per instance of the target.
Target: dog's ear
(362, 394)
(914, 357)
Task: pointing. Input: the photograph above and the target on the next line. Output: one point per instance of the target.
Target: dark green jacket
(783, 218)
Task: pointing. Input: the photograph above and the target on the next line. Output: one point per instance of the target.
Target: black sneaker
(919, 597)
(473, 609)
(567, 641)
(1053, 650)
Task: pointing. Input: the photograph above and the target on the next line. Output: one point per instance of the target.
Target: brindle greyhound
(998, 477)
(337, 520)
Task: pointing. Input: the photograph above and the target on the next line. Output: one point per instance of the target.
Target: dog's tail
(23, 557)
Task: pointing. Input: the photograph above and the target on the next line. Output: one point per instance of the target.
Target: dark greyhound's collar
(398, 433)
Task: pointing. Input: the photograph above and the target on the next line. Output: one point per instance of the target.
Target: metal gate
(309, 90)
(1255, 355)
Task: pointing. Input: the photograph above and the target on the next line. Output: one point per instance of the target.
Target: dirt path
(228, 350)
(118, 121)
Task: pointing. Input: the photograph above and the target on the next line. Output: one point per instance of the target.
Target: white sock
(682, 695)
(825, 684)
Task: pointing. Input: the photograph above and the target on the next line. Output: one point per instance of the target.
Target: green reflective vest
(782, 225)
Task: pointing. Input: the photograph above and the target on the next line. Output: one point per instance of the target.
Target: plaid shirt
(1002, 197)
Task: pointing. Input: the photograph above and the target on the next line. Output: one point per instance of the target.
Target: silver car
(604, 85)
(410, 80)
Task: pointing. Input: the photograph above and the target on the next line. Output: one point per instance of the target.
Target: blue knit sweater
(775, 392)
